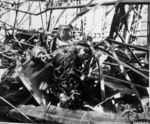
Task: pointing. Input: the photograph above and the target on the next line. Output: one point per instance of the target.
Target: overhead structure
(59, 67)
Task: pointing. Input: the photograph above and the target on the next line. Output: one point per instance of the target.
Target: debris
(54, 75)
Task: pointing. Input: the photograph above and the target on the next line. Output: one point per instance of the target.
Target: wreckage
(80, 77)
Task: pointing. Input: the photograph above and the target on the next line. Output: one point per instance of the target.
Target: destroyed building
(74, 61)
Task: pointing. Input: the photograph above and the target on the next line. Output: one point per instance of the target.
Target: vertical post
(30, 21)
(126, 34)
(148, 42)
(50, 16)
(16, 17)
(42, 21)
(148, 26)
(82, 23)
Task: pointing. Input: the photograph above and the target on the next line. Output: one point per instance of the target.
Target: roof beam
(83, 5)
(128, 2)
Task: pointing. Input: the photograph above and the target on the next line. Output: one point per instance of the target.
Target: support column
(148, 43)
(148, 26)
(30, 18)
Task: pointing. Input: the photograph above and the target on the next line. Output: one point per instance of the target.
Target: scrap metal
(80, 75)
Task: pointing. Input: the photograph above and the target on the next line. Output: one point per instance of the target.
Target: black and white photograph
(74, 61)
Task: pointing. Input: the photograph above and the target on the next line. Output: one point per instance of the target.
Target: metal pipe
(128, 45)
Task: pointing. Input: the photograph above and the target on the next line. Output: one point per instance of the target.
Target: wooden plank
(55, 114)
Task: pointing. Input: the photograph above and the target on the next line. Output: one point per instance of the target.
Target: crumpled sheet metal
(57, 115)
(32, 79)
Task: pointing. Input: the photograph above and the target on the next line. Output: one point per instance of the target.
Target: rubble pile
(78, 76)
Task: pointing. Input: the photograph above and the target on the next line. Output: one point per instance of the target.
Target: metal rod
(16, 109)
(105, 100)
(128, 45)
(53, 8)
(15, 22)
(129, 49)
(124, 81)
(30, 16)
(25, 14)
(9, 9)
(105, 14)
(23, 43)
(81, 6)
(78, 15)
(112, 79)
(7, 76)
(123, 71)
(101, 79)
(125, 64)
(41, 15)
(148, 44)
(27, 17)
(18, 28)
(50, 16)
(114, 64)
(62, 12)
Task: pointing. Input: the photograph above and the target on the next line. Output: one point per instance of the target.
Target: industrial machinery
(53, 66)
